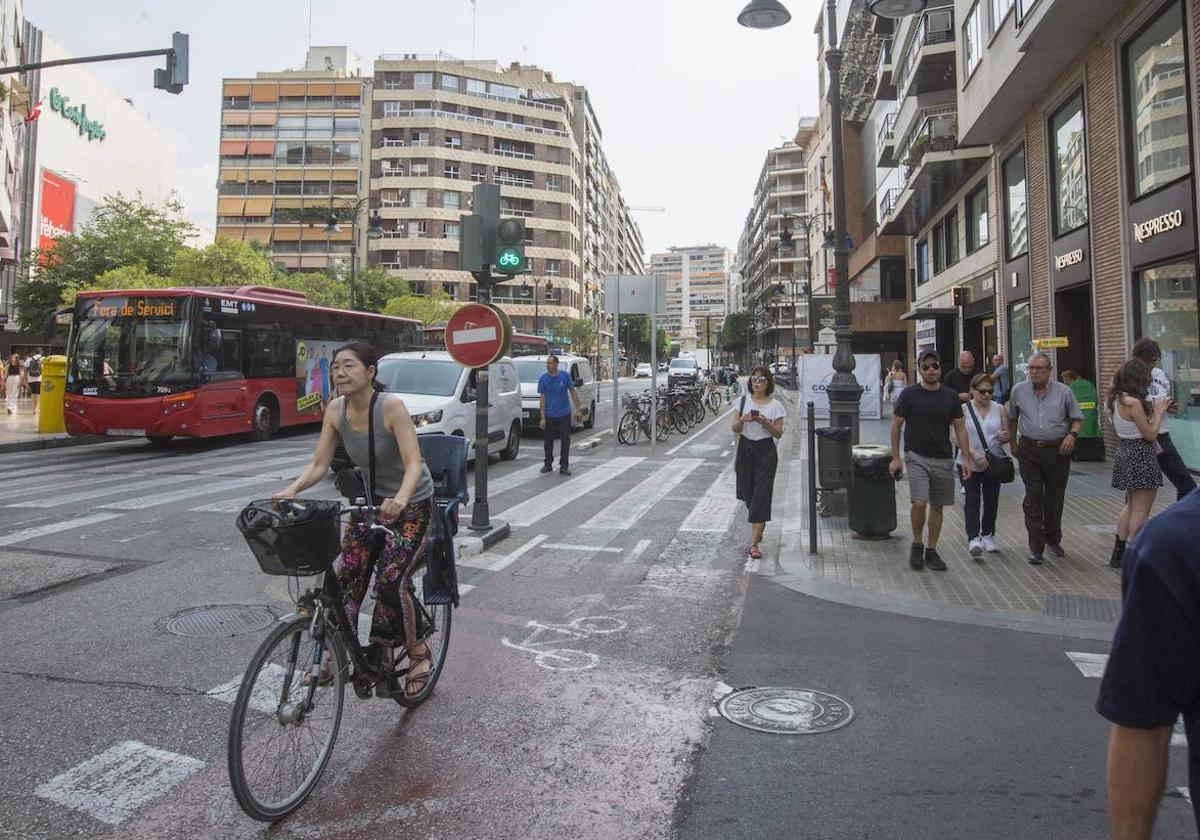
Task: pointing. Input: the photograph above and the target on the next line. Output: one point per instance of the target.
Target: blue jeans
(977, 486)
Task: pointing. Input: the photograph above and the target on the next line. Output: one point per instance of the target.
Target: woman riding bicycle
(403, 491)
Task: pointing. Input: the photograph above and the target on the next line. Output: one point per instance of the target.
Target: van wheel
(262, 421)
(509, 452)
(590, 422)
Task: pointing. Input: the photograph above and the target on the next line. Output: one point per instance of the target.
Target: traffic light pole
(480, 517)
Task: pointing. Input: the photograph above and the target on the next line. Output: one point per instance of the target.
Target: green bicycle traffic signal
(510, 246)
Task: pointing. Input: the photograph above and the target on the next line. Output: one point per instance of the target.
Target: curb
(592, 442)
(468, 545)
(56, 442)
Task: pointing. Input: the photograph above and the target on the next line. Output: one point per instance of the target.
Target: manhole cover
(786, 711)
(219, 622)
(1082, 607)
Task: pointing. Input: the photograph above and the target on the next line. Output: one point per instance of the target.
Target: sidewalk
(18, 432)
(1078, 595)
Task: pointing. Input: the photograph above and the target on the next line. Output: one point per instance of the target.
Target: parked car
(683, 371)
(662, 367)
(530, 368)
(642, 370)
(440, 395)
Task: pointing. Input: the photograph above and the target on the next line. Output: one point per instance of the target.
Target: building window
(997, 11)
(1025, 9)
(972, 41)
(476, 86)
(1020, 340)
(1156, 99)
(450, 200)
(450, 230)
(977, 218)
(416, 230)
(1068, 167)
(391, 109)
(423, 81)
(449, 82)
(922, 262)
(553, 267)
(1167, 302)
(939, 248)
(347, 126)
(891, 278)
(451, 171)
(950, 238)
(452, 141)
(1016, 219)
(418, 198)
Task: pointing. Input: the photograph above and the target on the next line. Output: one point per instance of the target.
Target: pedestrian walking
(959, 379)
(758, 423)
(897, 381)
(986, 433)
(33, 377)
(556, 396)
(1001, 378)
(1136, 421)
(1153, 671)
(12, 382)
(1043, 425)
(1172, 465)
(926, 411)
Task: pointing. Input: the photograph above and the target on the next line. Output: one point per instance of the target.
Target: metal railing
(888, 203)
(936, 26)
(938, 132)
(454, 115)
(887, 131)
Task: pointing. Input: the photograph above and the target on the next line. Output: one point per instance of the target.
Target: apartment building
(696, 278)
(12, 51)
(291, 155)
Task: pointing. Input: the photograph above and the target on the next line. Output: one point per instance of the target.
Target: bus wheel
(509, 452)
(159, 440)
(262, 421)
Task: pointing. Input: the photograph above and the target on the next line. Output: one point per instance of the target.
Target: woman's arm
(738, 422)
(322, 455)
(398, 421)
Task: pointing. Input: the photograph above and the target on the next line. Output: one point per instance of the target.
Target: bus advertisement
(205, 362)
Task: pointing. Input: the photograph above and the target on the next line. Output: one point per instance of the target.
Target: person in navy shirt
(1153, 673)
(556, 395)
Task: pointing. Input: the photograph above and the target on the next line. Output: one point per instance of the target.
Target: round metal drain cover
(786, 711)
(219, 622)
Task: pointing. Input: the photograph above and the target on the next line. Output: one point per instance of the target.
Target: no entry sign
(477, 335)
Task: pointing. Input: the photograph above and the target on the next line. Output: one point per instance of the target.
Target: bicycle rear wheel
(435, 619)
(629, 428)
(283, 729)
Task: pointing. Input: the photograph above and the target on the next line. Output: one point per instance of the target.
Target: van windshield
(432, 377)
(688, 364)
(530, 369)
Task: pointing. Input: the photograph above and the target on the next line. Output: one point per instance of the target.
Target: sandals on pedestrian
(416, 683)
(755, 552)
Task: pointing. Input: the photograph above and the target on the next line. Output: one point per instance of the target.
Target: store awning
(930, 312)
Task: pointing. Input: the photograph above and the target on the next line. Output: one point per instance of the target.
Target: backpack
(35, 366)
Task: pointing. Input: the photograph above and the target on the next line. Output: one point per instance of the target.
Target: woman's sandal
(415, 684)
(755, 552)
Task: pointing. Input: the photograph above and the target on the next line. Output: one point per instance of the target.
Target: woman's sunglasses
(758, 379)
(984, 390)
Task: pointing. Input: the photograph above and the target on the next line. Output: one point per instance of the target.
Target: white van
(440, 396)
(529, 368)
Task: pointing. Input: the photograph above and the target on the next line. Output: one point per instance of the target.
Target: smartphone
(754, 412)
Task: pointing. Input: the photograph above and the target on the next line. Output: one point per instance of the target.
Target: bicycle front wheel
(284, 726)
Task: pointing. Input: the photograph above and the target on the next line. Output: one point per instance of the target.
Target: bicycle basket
(297, 537)
(628, 401)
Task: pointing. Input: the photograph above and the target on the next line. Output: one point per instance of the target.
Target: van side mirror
(578, 382)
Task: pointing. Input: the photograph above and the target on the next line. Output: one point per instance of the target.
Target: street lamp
(895, 8)
(374, 231)
(537, 282)
(843, 389)
(809, 224)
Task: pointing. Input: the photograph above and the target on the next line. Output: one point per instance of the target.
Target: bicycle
(636, 420)
(288, 709)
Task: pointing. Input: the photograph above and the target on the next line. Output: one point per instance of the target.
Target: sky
(688, 100)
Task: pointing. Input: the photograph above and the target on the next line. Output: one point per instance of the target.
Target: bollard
(812, 478)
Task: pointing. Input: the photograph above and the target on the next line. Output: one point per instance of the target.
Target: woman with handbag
(757, 422)
(1135, 465)
(990, 465)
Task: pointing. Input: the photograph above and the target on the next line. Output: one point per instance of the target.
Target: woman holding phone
(757, 422)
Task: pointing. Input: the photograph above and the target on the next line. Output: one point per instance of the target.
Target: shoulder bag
(999, 467)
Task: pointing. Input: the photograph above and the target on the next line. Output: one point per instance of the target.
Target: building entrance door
(1073, 319)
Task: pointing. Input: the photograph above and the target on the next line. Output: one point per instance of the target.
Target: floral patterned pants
(395, 621)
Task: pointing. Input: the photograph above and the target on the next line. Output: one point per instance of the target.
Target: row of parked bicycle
(679, 408)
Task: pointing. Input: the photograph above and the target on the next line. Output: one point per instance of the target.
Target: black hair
(365, 353)
(1132, 379)
(1146, 349)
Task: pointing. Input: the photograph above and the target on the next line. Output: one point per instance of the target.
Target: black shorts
(35, 387)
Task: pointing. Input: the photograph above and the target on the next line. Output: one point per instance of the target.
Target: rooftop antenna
(310, 5)
(474, 9)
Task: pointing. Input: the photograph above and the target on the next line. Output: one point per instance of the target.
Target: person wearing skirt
(758, 422)
(1135, 465)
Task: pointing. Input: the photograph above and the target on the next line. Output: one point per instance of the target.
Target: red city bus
(209, 361)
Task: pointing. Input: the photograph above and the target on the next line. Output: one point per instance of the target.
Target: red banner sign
(57, 215)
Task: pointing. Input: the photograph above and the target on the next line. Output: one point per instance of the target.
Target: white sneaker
(989, 543)
(976, 547)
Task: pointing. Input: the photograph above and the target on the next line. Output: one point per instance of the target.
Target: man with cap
(926, 411)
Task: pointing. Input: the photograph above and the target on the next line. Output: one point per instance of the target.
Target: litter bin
(833, 458)
(872, 496)
(54, 386)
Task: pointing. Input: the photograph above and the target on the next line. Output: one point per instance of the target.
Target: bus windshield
(130, 346)
(432, 377)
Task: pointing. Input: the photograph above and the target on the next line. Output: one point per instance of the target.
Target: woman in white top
(982, 414)
(897, 381)
(1135, 465)
(758, 421)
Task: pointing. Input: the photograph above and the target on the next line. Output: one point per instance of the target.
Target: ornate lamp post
(374, 231)
(809, 224)
(537, 287)
(843, 389)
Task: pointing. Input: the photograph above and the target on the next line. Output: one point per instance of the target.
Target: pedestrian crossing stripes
(1089, 664)
(155, 499)
(53, 528)
(563, 493)
(714, 512)
(624, 513)
(54, 499)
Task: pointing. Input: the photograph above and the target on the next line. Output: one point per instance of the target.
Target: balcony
(885, 143)
(885, 87)
(929, 61)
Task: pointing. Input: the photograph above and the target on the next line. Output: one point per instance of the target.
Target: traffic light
(470, 243)
(175, 76)
(510, 246)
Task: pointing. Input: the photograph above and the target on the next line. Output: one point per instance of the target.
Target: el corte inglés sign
(94, 129)
(1161, 224)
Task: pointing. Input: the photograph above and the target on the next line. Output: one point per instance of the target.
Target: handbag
(999, 467)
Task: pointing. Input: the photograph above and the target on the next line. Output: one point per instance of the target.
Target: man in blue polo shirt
(556, 395)
(1153, 673)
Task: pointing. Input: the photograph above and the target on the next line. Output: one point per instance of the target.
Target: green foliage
(322, 289)
(664, 343)
(375, 286)
(431, 310)
(579, 333)
(737, 331)
(226, 262)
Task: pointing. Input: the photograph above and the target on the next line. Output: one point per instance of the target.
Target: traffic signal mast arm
(172, 79)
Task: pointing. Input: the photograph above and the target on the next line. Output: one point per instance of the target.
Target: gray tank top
(389, 466)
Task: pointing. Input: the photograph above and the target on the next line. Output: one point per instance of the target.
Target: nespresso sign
(1069, 259)
(1159, 225)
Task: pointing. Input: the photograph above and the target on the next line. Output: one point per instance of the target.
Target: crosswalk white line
(715, 510)
(564, 492)
(49, 500)
(1089, 664)
(596, 549)
(509, 481)
(111, 786)
(496, 563)
(638, 551)
(282, 466)
(11, 492)
(54, 528)
(265, 696)
(625, 512)
(156, 499)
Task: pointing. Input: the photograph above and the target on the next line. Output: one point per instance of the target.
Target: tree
(374, 286)
(664, 343)
(226, 262)
(432, 309)
(736, 332)
(321, 288)
(579, 333)
(635, 335)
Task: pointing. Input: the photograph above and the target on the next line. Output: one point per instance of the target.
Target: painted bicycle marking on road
(541, 642)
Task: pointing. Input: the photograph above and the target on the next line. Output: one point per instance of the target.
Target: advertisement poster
(818, 370)
(314, 382)
(57, 214)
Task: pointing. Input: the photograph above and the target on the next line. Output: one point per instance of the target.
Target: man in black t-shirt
(926, 411)
(959, 379)
(1153, 672)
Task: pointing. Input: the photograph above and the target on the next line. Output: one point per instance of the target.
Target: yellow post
(54, 387)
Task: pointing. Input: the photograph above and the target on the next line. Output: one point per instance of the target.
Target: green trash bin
(872, 497)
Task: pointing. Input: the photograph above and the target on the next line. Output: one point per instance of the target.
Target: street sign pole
(480, 517)
(616, 358)
(654, 378)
